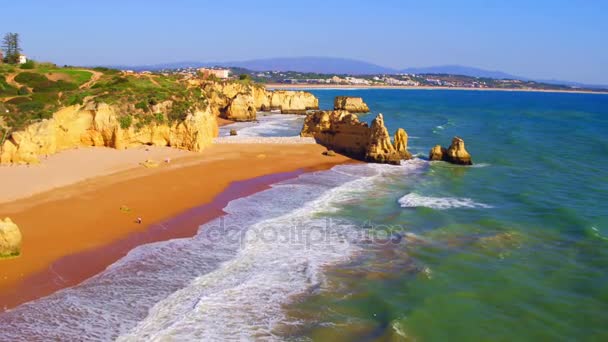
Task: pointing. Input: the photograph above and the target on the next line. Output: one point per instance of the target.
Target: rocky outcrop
(401, 144)
(240, 101)
(99, 124)
(455, 154)
(342, 132)
(10, 238)
(291, 102)
(350, 104)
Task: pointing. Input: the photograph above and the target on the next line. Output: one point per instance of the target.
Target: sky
(541, 39)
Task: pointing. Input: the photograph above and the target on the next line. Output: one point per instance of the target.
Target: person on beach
(139, 220)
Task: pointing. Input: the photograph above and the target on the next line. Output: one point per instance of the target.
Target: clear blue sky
(545, 39)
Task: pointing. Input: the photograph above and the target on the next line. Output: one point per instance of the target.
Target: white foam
(267, 125)
(414, 200)
(224, 283)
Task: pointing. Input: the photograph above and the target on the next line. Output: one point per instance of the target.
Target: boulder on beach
(233, 132)
(350, 104)
(10, 238)
(455, 154)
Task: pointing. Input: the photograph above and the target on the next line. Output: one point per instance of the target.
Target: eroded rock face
(455, 154)
(241, 108)
(239, 102)
(401, 144)
(342, 132)
(10, 238)
(292, 102)
(350, 104)
(95, 124)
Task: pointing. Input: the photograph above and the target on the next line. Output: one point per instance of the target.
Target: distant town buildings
(219, 73)
(22, 59)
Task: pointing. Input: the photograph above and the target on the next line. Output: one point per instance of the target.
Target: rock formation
(240, 101)
(291, 102)
(342, 132)
(10, 238)
(401, 144)
(350, 104)
(99, 124)
(455, 154)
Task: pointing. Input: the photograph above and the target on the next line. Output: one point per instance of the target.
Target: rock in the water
(437, 153)
(455, 154)
(350, 104)
(10, 238)
(233, 132)
(344, 133)
(401, 144)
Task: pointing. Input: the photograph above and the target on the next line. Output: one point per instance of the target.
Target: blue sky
(544, 39)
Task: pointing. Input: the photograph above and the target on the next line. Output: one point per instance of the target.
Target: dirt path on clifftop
(94, 78)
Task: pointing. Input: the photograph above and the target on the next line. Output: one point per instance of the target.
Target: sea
(513, 248)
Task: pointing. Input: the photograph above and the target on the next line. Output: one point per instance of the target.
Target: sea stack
(342, 132)
(10, 238)
(455, 154)
(350, 104)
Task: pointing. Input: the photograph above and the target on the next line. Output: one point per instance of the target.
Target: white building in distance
(22, 59)
(219, 73)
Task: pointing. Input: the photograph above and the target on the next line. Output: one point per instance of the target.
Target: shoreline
(74, 232)
(350, 86)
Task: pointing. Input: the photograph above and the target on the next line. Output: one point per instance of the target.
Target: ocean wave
(267, 125)
(414, 200)
(230, 281)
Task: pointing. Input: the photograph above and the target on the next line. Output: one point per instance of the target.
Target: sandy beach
(346, 86)
(77, 210)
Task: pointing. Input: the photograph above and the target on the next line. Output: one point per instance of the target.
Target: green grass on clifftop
(32, 94)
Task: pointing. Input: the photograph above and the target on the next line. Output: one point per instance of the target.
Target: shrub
(159, 118)
(28, 65)
(244, 77)
(23, 91)
(125, 121)
(142, 105)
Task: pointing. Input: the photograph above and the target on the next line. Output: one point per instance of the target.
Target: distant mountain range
(332, 65)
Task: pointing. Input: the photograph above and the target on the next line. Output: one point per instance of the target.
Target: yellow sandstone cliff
(240, 101)
(96, 124)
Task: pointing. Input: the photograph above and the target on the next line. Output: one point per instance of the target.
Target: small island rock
(455, 154)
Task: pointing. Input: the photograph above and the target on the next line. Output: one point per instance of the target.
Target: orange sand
(86, 215)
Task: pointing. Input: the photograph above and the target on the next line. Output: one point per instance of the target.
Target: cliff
(239, 101)
(350, 104)
(455, 154)
(100, 124)
(342, 132)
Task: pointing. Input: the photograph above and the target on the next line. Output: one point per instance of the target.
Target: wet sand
(74, 232)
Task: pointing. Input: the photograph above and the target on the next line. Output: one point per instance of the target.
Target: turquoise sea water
(514, 248)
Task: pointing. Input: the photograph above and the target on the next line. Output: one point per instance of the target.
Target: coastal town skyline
(525, 39)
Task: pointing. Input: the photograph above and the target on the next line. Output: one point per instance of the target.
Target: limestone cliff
(10, 238)
(350, 104)
(342, 131)
(100, 124)
(455, 154)
(240, 101)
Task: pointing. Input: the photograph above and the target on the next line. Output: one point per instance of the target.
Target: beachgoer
(139, 220)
